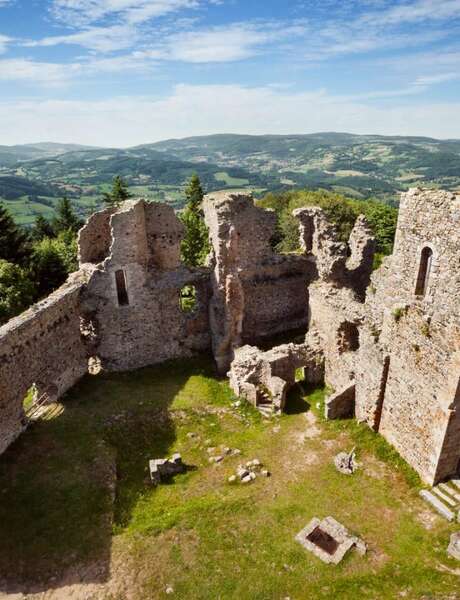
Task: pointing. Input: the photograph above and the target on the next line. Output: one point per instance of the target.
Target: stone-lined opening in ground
(323, 540)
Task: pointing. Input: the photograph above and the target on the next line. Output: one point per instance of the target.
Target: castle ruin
(387, 344)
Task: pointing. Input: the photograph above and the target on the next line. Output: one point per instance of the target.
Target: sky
(126, 72)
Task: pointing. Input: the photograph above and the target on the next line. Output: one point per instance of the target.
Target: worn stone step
(265, 409)
(444, 497)
(456, 482)
(437, 504)
(448, 489)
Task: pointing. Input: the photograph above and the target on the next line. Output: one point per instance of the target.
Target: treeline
(342, 211)
(36, 262)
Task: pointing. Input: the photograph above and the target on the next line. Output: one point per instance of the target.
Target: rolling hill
(32, 177)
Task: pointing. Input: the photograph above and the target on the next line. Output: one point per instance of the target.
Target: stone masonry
(387, 345)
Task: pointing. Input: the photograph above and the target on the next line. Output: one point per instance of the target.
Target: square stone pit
(329, 540)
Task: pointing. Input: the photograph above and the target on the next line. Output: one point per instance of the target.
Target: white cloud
(58, 74)
(233, 42)
(437, 78)
(22, 69)
(80, 12)
(195, 110)
(413, 12)
(101, 39)
(4, 41)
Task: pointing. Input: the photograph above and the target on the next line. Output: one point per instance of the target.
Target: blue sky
(124, 72)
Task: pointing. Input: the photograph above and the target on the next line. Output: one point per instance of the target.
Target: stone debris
(163, 468)
(345, 462)
(329, 540)
(216, 459)
(248, 472)
(453, 549)
(169, 590)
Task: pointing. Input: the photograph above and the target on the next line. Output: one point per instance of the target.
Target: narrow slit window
(122, 290)
(426, 262)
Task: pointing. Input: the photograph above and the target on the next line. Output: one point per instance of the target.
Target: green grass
(74, 490)
(229, 180)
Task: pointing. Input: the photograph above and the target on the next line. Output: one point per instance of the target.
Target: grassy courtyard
(77, 511)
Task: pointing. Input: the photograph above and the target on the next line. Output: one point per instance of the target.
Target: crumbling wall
(272, 373)
(256, 293)
(406, 381)
(94, 238)
(336, 296)
(146, 325)
(43, 346)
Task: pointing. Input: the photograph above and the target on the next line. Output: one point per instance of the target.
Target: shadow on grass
(295, 400)
(67, 483)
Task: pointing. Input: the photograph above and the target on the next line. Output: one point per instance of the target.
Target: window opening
(426, 262)
(122, 290)
(188, 300)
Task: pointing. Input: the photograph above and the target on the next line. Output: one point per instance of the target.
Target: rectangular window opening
(122, 290)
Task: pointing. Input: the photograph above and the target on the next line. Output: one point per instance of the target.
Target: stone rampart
(41, 347)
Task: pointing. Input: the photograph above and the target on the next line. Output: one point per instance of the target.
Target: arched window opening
(122, 290)
(426, 262)
(187, 299)
(348, 337)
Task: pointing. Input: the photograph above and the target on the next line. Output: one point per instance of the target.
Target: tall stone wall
(256, 293)
(148, 326)
(336, 296)
(408, 377)
(43, 346)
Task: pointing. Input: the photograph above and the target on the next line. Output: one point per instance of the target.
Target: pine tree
(119, 193)
(194, 192)
(66, 218)
(195, 245)
(14, 244)
(42, 228)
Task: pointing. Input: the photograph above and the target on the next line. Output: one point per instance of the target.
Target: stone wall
(393, 349)
(256, 293)
(43, 346)
(149, 325)
(407, 384)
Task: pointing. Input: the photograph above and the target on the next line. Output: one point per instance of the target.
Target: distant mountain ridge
(356, 165)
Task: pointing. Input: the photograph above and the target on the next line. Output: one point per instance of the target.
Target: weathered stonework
(43, 346)
(390, 355)
(256, 293)
(149, 326)
(408, 377)
(264, 378)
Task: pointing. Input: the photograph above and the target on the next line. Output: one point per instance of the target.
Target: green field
(77, 508)
(230, 181)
